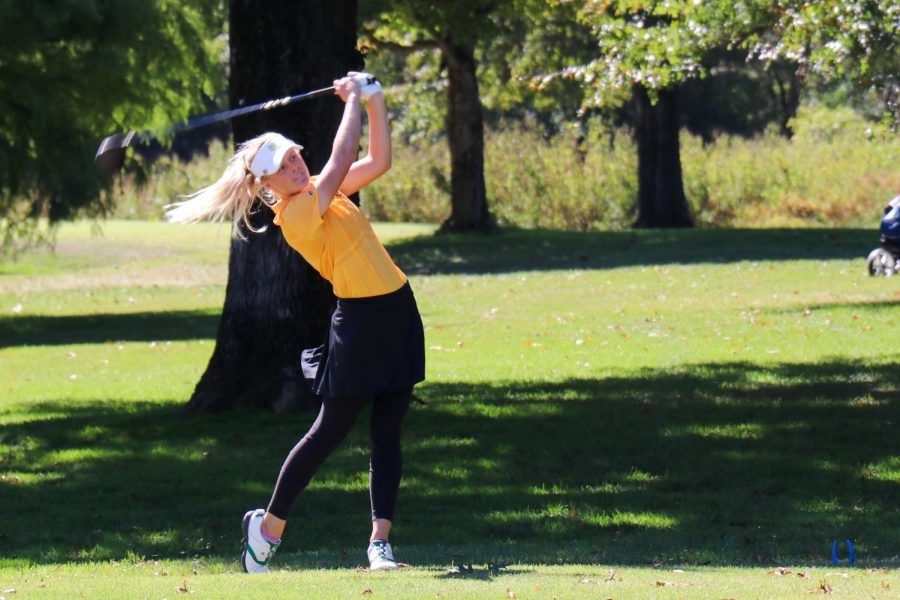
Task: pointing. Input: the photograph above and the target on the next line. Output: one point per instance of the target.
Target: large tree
(455, 29)
(648, 48)
(275, 303)
(74, 71)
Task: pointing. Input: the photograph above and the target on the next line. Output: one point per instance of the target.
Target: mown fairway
(602, 412)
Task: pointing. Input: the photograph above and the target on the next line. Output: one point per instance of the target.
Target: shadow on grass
(731, 463)
(508, 250)
(98, 328)
(480, 572)
(534, 250)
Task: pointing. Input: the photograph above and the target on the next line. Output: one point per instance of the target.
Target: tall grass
(837, 170)
(143, 194)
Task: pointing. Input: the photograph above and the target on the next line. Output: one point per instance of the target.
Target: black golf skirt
(375, 345)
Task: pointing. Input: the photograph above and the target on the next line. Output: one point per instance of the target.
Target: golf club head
(111, 154)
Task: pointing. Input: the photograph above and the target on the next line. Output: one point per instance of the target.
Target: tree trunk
(786, 90)
(661, 199)
(465, 135)
(275, 303)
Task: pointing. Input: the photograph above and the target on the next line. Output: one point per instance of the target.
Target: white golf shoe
(257, 550)
(381, 556)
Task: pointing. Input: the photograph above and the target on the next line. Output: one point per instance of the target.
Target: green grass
(718, 402)
(212, 579)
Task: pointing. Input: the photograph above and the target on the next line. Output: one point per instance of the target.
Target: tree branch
(401, 48)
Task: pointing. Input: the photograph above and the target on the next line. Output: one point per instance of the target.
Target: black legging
(334, 422)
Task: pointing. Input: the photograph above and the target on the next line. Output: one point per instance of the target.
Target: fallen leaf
(183, 588)
(538, 588)
(510, 593)
(780, 571)
(584, 580)
(885, 585)
(670, 584)
(824, 587)
(366, 591)
(611, 575)
(803, 575)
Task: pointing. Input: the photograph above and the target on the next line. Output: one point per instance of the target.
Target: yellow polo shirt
(341, 244)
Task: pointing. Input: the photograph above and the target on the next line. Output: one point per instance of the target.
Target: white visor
(268, 158)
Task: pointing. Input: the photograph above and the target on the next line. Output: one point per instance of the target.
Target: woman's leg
(336, 418)
(385, 465)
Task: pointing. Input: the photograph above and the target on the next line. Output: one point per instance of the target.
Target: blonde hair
(233, 195)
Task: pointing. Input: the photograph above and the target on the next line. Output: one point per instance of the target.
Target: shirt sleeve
(301, 215)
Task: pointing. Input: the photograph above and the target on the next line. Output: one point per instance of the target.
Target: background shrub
(837, 170)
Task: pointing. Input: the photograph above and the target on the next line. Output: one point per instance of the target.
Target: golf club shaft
(236, 112)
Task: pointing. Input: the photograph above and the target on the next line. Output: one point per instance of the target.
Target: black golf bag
(885, 260)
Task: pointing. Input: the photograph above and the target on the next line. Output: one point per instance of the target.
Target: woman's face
(291, 178)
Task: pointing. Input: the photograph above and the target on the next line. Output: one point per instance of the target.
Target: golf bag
(885, 260)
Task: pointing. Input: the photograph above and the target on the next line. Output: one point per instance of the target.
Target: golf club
(111, 153)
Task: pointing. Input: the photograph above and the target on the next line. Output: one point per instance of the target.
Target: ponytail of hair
(233, 195)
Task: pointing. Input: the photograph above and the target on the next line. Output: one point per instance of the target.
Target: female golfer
(375, 349)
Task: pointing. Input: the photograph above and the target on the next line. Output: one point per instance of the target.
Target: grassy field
(621, 414)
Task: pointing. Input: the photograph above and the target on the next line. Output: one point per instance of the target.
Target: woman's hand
(369, 84)
(345, 87)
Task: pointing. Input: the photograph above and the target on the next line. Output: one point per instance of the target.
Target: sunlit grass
(612, 399)
(214, 579)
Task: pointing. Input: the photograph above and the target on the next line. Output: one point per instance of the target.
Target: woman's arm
(378, 160)
(346, 143)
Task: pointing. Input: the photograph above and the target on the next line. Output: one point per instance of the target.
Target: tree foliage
(73, 71)
(410, 22)
(660, 43)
